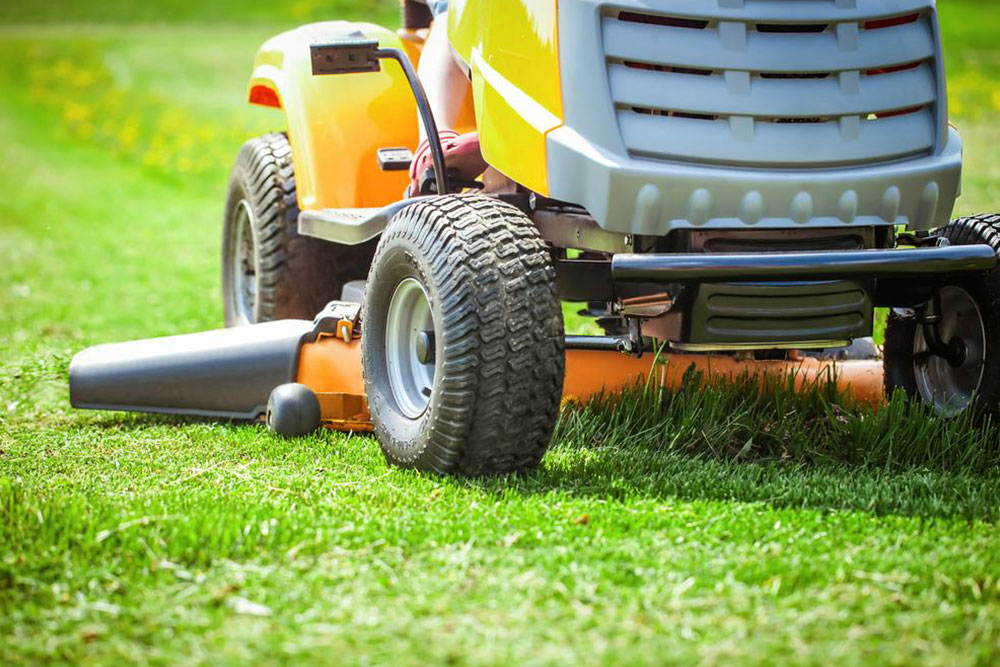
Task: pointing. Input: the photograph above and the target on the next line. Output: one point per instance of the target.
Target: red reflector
(265, 97)
(890, 70)
(901, 112)
(890, 22)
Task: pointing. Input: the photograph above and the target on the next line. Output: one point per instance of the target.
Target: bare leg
(442, 77)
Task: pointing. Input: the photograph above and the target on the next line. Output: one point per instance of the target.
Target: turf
(711, 526)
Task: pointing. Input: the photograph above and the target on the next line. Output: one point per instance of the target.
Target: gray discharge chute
(223, 373)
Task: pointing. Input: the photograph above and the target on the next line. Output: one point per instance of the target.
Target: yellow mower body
(680, 121)
(733, 185)
(517, 92)
(335, 124)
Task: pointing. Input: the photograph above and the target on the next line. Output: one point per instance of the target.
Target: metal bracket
(575, 230)
(393, 159)
(338, 318)
(922, 241)
(346, 57)
(952, 351)
(633, 345)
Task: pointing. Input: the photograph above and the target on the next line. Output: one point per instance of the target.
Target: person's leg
(446, 85)
(442, 77)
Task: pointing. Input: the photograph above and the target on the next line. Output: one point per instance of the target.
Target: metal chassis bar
(747, 267)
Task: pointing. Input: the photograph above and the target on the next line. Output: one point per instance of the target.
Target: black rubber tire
(297, 275)
(293, 410)
(499, 347)
(900, 331)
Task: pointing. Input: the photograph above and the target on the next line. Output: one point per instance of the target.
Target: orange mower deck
(332, 369)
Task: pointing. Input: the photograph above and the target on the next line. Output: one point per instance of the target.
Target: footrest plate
(349, 226)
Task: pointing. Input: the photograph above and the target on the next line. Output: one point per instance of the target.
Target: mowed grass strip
(711, 525)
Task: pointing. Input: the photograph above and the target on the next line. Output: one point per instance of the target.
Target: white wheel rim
(408, 327)
(947, 388)
(243, 271)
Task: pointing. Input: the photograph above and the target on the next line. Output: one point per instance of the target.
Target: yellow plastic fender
(337, 122)
(517, 91)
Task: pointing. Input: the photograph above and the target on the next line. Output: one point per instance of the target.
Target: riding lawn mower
(729, 185)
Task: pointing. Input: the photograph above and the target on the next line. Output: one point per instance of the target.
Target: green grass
(712, 525)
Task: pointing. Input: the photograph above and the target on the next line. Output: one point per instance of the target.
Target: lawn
(708, 526)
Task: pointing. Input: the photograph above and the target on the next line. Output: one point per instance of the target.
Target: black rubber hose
(424, 109)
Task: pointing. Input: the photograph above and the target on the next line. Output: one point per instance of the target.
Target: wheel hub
(950, 383)
(244, 265)
(425, 347)
(409, 342)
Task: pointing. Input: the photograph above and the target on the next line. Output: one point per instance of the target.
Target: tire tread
(503, 342)
(298, 275)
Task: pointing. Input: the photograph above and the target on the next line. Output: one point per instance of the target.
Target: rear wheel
(269, 272)
(966, 371)
(463, 338)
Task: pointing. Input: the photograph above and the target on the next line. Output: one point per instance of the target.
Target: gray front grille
(769, 83)
(740, 313)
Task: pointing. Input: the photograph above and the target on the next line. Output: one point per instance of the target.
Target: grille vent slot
(737, 88)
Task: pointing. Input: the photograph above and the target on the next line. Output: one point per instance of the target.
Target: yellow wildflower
(75, 112)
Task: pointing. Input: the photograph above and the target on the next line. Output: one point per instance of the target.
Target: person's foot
(462, 158)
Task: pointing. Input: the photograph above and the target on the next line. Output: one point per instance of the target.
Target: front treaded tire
(902, 335)
(269, 272)
(496, 363)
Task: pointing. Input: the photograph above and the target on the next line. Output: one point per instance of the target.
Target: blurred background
(119, 121)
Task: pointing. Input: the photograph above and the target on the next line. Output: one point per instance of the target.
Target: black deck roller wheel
(269, 271)
(293, 410)
(463, 338)
(967, 374)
